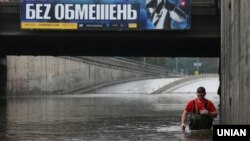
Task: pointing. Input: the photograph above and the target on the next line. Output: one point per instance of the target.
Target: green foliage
(186, 65)
(183, 65)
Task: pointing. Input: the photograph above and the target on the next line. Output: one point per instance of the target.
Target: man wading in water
(202, 112)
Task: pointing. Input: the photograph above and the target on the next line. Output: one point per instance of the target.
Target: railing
(9, 2)
(124, 63)
(203, 3)
(138, 62)
(9, 6)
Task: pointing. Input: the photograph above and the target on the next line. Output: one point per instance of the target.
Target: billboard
(105, 14)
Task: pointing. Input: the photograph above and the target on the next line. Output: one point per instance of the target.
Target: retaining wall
(50, 75)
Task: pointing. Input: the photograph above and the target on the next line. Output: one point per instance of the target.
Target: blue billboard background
(151, 15)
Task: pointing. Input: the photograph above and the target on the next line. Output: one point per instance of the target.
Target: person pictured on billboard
(166, 14)
(145, 23)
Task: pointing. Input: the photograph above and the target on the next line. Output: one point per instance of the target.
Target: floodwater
(98, 117)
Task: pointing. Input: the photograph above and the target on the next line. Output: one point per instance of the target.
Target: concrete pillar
(3, 76)
(235, 61)
(3, 101)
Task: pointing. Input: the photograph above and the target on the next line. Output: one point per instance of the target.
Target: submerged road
(99, 117)
(210, 84)
(142, 86)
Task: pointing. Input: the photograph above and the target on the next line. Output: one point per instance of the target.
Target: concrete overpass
(202, 40)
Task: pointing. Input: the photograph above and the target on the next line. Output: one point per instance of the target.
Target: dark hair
(201, 90)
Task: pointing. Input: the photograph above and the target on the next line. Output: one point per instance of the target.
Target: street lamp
(176, 65)
(197, 65)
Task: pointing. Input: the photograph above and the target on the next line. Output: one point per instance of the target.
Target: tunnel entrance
(120, 110)
(35, 75)
(48, 63)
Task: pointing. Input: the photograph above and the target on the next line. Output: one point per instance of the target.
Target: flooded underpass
(98, 117)
(105, 117)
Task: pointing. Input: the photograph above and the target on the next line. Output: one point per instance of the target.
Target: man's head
(201, 92)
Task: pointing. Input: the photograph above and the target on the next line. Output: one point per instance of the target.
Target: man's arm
(183, 119)
(212, 114)
(206, 112)
(211, 111)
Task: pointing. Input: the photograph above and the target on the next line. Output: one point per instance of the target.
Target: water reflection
(205, 135)
(97, 117)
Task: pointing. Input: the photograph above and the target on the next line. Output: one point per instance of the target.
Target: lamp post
(197, 68)
(176, 65)
(197, 65)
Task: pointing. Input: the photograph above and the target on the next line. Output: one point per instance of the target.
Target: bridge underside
(203, 40)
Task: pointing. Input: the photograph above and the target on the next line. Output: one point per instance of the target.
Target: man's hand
(204, 112)
(183, 126)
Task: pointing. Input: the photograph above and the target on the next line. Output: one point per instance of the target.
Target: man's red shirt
(200, 105)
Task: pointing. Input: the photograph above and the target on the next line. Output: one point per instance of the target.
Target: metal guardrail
(9, 2)
(9, 7)
(203, 3)
(151, 69)
(138, 62)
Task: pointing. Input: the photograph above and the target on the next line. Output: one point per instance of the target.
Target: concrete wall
(235, 61)
(47, 74)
